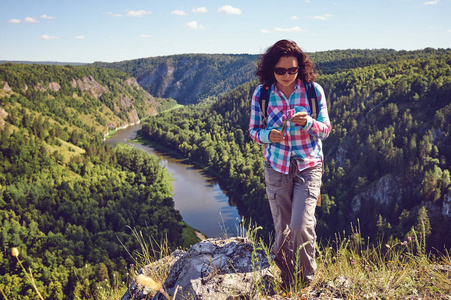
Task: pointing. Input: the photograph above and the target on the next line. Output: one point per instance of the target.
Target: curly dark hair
(267, 61)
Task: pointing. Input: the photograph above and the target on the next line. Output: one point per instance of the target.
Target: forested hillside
(189, 78)
(387, 159)
(340, 60)
(68, 201)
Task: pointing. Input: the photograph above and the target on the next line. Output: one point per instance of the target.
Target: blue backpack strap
(312, 99)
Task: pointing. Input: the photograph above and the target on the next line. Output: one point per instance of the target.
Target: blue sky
(117, 30)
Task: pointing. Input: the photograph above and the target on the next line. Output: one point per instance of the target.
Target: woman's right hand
(276, 136)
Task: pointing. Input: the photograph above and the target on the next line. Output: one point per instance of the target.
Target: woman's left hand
(300, 118)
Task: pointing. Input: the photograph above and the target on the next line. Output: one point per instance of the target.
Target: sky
(86, 31)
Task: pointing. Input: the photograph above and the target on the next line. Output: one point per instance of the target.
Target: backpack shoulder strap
(312, 99)
(264, 99)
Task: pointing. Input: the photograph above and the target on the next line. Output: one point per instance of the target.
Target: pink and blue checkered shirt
(300, 142)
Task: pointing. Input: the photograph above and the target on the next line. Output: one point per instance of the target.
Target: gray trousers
(292, 198)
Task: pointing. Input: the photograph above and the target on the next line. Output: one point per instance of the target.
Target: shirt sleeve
(320, 127)
(257, 126)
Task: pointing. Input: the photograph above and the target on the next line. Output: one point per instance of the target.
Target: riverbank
(199, 196)
(234, 199)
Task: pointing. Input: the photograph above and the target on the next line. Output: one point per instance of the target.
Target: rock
(446, 210)
(6, 86)
(54, 86)
(211, 269)
(139, 291)
(3, 115)
(88, 83)
(387, 189)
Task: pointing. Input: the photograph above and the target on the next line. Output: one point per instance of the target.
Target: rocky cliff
(113, 98)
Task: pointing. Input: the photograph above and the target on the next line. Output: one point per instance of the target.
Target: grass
(348, 268)
(384, 271)
(66, 149)
(351, 268)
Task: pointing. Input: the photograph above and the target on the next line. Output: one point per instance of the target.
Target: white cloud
(138, 13)
(200, 10)
(193, 25)
(14, 21)
(145, 36)
(265, 31)
(294, 18)
(48, 37)
(229, 10)
(47, 17)
(178, 12)
(323, 18)
(292, 29)
(31, 20)
(431, 2)
(113, 14)
(80, 37)
(308, 1)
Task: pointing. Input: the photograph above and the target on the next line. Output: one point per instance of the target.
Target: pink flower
(288, 116)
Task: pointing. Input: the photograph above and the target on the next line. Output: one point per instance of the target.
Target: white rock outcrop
(211, 269)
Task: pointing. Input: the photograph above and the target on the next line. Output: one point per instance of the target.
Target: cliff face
(383, 192)
(388, 190)
(123, 104)
(189, 78)
(111, 98)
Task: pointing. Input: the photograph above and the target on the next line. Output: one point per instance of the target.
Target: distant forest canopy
(387, 159)
(68, 201)
(43, 62)
(190, 78)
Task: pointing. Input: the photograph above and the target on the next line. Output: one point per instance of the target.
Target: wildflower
(287, 117)
(404, 243)
(388, 246)
(409, 238)
(15, 252)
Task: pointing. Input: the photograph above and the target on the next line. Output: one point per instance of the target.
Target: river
(197, 195)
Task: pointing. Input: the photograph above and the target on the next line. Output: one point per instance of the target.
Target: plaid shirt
(300, 142)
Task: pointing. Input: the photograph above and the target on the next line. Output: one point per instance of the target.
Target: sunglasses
(282, 71)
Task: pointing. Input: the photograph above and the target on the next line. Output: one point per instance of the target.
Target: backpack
(311, 95)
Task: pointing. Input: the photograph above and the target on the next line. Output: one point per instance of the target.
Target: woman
(293, 154)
